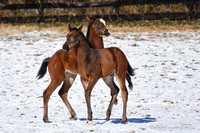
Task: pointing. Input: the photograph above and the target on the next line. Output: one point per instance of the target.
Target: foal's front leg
(88, 86)
(69, 80)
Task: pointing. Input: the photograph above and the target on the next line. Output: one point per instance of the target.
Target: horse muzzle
(65, 47)
(107, 33)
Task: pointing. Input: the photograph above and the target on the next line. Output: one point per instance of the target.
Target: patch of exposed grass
(155, 25)
(7, 29)
(122, 26)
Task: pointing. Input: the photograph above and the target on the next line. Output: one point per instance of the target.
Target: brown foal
(62, 67)
(93, 64)
(96, 29)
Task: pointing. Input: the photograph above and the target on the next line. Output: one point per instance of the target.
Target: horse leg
(111, 84)
(69, 80)
(114, 92)
(124, 94)
(88, 86)
(46, 95)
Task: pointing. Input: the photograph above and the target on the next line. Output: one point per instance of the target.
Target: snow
(165, 97)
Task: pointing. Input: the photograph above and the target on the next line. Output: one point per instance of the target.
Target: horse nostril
(65, 47)
(107, 32)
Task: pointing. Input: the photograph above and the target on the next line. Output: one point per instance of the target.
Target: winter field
(165, 97)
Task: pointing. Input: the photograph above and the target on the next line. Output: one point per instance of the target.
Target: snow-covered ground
(165, 98)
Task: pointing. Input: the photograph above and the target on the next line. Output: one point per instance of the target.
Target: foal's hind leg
(64, 91)
(124, 93)
(114, 92)
(46, 95)
(111, 84)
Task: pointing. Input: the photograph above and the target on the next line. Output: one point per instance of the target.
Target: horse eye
(98, 23)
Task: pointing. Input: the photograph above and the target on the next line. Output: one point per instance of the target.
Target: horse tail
(130, 84)
(43, 69)
(130, 70)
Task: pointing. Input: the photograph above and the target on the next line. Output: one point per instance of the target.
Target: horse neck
(95, 40)
(83, 44)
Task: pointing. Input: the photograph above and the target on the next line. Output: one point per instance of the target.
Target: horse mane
(81, 33)
(90, 25)
(86, 40)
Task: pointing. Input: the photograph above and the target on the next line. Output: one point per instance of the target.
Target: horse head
(72, 38)
(99, 26)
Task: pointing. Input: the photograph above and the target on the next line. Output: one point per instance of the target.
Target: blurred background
(25, 11)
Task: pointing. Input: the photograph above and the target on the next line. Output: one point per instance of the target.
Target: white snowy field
(165, 97)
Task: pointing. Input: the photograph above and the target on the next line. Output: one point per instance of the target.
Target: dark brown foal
(59, 69)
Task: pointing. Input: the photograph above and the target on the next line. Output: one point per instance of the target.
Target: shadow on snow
(129, 120)
(134, 120)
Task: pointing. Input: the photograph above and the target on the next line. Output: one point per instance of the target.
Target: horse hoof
(46, 121)
(89, 119)
(123, 122)
(107, 119)
(73, 117)
(130, 87)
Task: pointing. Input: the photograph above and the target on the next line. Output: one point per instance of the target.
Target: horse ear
(90, 19)
(69, 27)
(80, 28)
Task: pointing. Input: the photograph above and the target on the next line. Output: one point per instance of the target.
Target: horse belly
(107, 62)
(107, 68)
(71, 67)
(69, 61)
